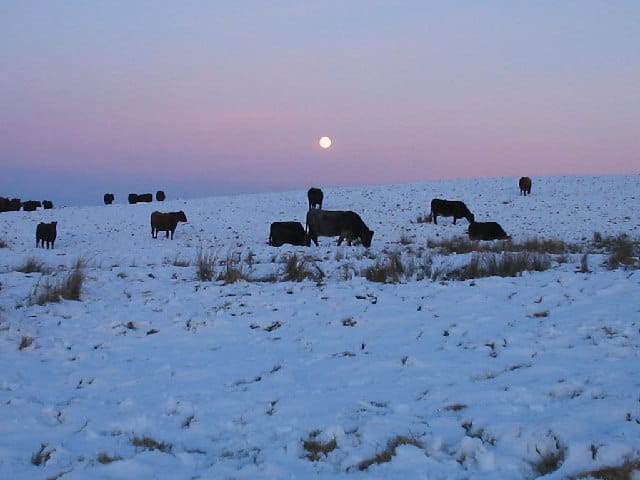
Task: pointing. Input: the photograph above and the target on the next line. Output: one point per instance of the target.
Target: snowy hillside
(156, 373)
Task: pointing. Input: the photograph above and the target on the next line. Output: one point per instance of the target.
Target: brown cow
(166, 222)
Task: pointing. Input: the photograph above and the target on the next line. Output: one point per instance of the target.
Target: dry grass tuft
(626, 471)
(507, 264)
(104, 458)
(32, 265)
(551, 460)
(388, 453)
(298, 269)
(148, 443)
(205, 262)
(389, 269)
(316, 449)
(25, 342)
(622, 250)
(69, 288)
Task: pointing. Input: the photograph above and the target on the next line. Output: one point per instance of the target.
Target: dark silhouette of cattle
(47, 204)
(31, 205)
(315, 197)
(344, 224)
(160, 196)
(109, 198)
(46, 233)
(486, 231)
(166, 222)
(525, 186)
(450, 208)
(140, 197)
(288, 232)
(10, 205)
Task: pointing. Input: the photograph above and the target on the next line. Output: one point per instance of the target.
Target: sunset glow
(207, 99)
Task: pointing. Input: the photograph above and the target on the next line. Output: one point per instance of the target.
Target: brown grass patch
(389, 452)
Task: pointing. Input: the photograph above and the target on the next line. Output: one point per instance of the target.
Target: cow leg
(340, 239)
(434, 218)
(454, 219)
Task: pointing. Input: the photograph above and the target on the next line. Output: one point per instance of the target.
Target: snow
(156, 374)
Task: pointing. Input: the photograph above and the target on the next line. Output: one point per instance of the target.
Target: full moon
(325, 142)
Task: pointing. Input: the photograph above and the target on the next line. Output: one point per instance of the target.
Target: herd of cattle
(15, 204)
(346, 225)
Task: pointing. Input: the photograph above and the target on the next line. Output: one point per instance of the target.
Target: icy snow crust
(487, 377)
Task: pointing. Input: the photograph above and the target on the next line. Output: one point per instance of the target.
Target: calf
(487, 231)
(288, 232)
(450, 208)
(160, 196)
(344, 224)
(46, 232)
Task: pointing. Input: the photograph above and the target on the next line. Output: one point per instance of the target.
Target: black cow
(31, 205)
(315, 197)
(46, 232)
(145, 197)
(132, 198)
(450, 208)
(47, 204)
(288, 232)
(345, 224)
(160, 196)
(109, 198)
(487, 231)
(10, 205)
(166, 222)
(525, 186)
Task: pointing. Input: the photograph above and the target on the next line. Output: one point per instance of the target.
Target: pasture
(423, 356)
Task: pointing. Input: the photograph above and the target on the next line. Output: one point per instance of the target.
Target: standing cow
(46, 233)
(315, 197)
(166, 222)
(450, 208)
(109, 198)
(47, 204)
(344, 224)
(160, 196)
(525, 186)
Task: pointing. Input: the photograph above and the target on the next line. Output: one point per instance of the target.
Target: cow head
(180, 216)
(366, 236)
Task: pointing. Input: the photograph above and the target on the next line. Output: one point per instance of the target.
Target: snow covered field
(157, 374)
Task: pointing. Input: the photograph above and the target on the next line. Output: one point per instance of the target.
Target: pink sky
(202, 98)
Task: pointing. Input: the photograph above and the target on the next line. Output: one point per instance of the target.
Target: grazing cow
(46, 232)
(487, 231)
(288, 232)
(31, 205)
(145, 197)
(47, 204)
(346, 224)
(450, 208)
(525, 186)
(109, 198)
(166, 222)
(160, 196)
(315, 197)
